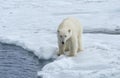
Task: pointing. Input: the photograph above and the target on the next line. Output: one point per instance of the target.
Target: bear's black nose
(62, 42)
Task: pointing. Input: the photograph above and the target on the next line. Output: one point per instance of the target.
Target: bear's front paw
(60, 54)
(72, 54)
(80, 50)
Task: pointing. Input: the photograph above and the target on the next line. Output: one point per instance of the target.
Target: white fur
(70, 32)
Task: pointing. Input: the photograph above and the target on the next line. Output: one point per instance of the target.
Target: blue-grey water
(16, 62)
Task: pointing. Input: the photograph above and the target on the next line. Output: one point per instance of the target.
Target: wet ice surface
(15, 62)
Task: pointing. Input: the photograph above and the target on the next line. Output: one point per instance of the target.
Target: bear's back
(70, 23)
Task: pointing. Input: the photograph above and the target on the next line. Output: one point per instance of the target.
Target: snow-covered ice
(32, 25)
(100, 59)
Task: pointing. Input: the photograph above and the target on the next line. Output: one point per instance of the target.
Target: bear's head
(64, 35)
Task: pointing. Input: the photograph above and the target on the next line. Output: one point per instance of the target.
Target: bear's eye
(61, 36)
(65, 35)
(69, 30)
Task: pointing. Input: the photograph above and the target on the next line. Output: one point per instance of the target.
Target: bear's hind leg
(80, 43)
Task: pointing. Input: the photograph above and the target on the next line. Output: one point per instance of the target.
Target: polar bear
(69, 35)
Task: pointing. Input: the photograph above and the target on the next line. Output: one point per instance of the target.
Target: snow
(32, 25)
(100, 59)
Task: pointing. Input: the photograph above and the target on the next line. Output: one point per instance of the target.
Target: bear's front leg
(61, 49)
(74, 46)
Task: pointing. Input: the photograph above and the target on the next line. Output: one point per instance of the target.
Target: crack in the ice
(103, 31)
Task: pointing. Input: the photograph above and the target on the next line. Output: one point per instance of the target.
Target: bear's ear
(69, 30)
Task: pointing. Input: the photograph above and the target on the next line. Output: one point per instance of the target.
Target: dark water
(16, 62)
